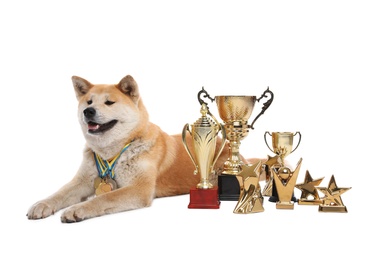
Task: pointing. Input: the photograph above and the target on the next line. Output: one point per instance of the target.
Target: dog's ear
(129, 87)
(81, 86)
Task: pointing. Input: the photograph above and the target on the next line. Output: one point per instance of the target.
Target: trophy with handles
(235, 111)
(204, 138)
(282, 146)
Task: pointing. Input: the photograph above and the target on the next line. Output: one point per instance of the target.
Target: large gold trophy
(282, 146)
(235, 112)
(204, 132)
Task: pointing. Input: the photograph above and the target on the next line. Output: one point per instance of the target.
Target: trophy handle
(267, 141)
(222, 144)
(300, 138)
(185, 129)
(265, 106)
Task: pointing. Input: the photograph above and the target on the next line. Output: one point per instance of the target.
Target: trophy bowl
(282, 143)
(235, 108)
(235, 112)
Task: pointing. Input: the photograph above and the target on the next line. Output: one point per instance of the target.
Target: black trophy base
(228, 187)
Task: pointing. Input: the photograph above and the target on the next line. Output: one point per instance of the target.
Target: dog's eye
(89, 102)
(109, 103)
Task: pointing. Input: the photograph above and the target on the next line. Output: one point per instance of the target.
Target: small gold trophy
(309, 195)
(250, 199)
(204, 132)
(332, 201)
(235, 112)
(282, 143)
(285, 180)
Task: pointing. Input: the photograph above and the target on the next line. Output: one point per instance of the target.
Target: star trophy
(235, 111)
(282, 143)
(309, 195)
(204, 132)
(332, 201)
(250, 198)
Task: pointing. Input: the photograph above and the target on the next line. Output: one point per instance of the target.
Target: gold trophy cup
(282, 143)
(235, 111)
(204, 132)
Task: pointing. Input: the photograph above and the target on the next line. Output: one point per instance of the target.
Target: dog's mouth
(95, 128)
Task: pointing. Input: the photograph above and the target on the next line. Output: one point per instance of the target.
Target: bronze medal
(112, 182)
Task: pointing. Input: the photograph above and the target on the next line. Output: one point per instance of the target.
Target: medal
(103, 188)
(105, 181)
(104, 185)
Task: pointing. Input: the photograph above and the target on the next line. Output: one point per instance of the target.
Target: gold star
(308, 186)
(250, 198)
(332, 193)
(250, 174)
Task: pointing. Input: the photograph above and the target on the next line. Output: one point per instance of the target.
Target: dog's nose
(89, 112)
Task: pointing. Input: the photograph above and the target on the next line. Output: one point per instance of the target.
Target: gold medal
(104, 185)
(103, 188)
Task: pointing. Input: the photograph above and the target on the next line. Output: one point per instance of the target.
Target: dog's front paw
(75, 213)
(41, 209)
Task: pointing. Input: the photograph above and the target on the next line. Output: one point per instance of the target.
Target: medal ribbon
(107, 167)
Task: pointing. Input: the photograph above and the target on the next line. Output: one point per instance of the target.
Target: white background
(318, 57)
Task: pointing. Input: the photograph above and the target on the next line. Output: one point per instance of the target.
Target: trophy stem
(204, 184)
(233, 163)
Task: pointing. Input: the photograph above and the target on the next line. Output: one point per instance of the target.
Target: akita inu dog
(127, 161)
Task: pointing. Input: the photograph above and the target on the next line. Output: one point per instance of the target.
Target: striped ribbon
(107, 167)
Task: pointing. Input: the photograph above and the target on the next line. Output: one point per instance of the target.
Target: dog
(147, 163)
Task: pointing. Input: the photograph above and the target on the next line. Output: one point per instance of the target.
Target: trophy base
(327, 208)
(228, 187)
(284, 205)
(204, 198)
(309, 202)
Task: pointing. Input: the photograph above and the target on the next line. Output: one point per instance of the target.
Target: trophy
(204, 132)
(332, 201)
(285, 180)
(235, 112)
(250, 198)
(282, 143)
(309, 195)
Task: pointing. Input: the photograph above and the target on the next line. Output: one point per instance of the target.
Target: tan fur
(155, 164)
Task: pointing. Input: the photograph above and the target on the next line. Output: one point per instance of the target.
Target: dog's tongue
(93, 127)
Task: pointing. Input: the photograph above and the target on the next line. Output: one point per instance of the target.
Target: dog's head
(109, 113)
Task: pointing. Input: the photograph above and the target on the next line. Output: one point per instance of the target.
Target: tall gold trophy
(204, 132)
(282, 143)
(235, 111)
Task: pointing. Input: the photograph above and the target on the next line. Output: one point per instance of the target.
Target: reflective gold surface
(332, 201)
(204, 132)
(235, 112)
(282, 143)
(250, 199)
(309, 195)
(235, 108)
(268, 164)
(285, 181)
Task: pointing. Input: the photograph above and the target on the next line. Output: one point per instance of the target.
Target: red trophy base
(204, 198)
